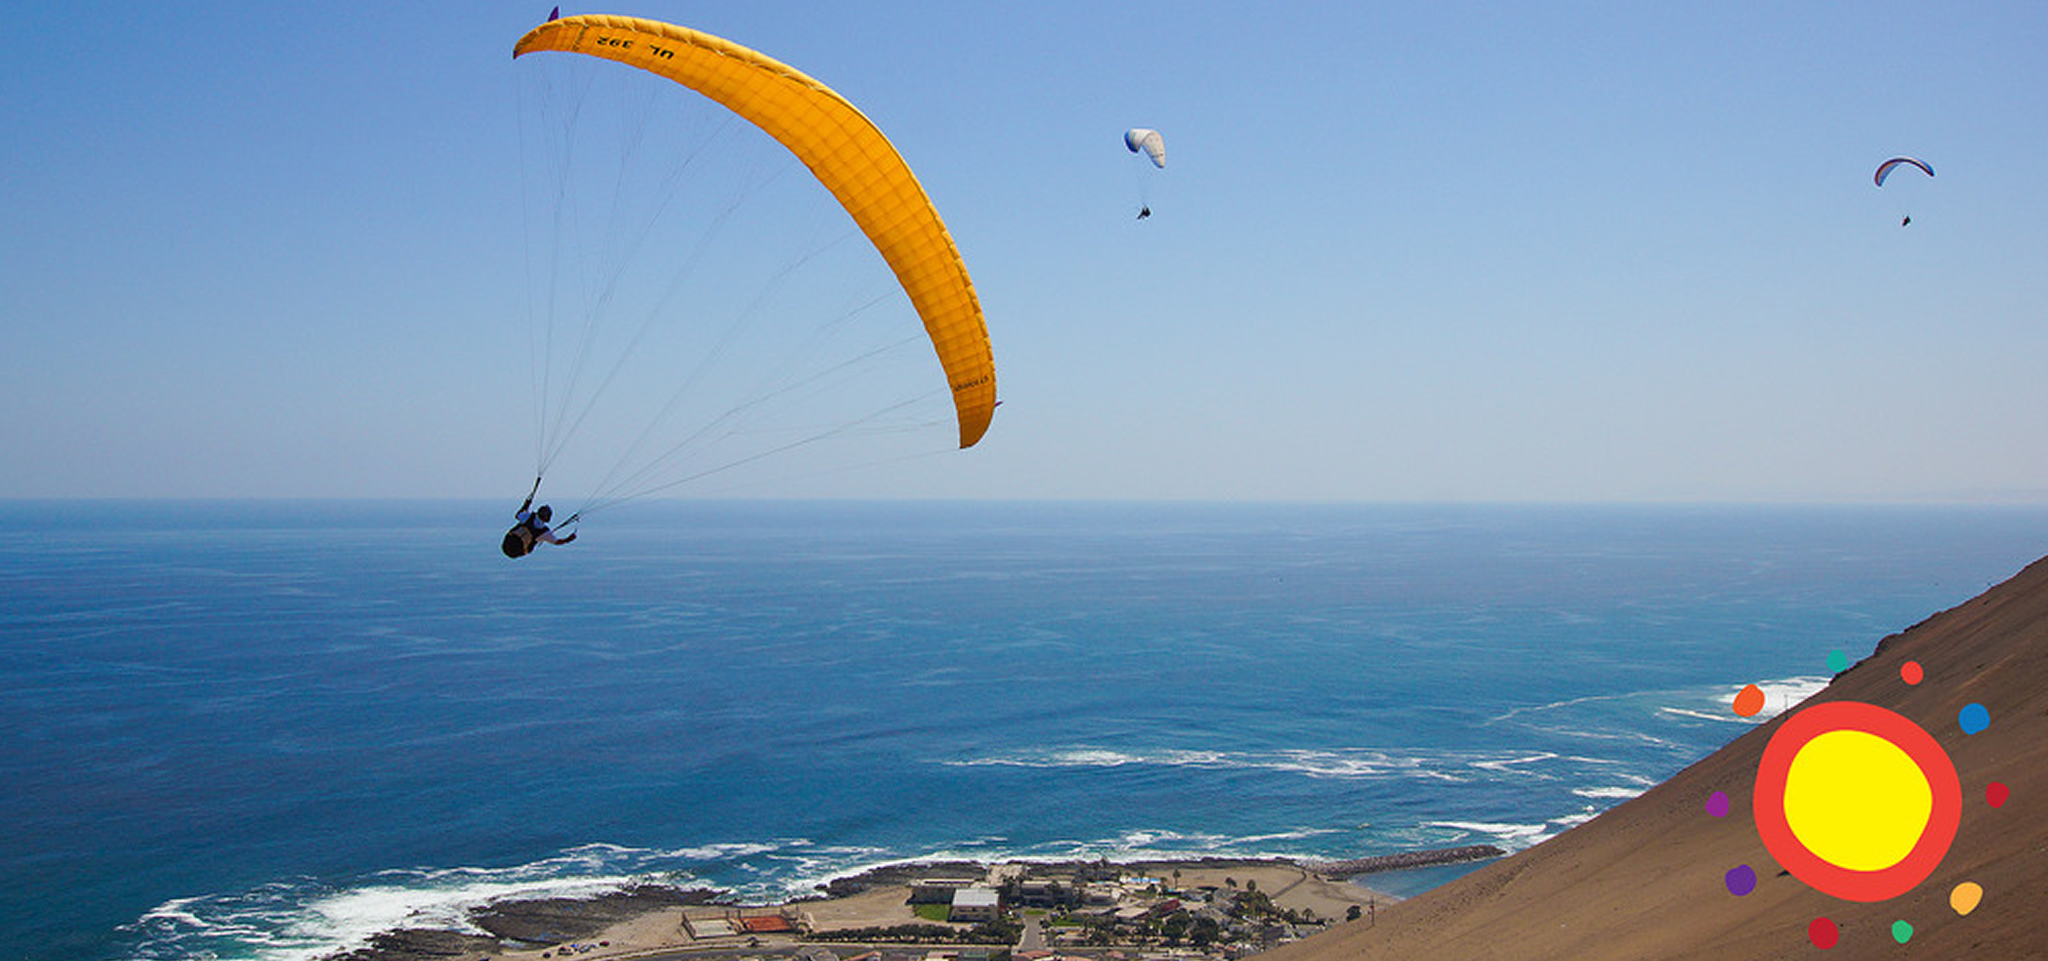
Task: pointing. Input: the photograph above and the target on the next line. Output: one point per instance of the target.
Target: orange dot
(1749, 701)
(1966, 897)
(1911, 673)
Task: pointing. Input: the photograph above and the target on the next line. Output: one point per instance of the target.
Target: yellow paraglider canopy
(844, 150)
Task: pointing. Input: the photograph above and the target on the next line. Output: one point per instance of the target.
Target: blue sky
(1417, 252)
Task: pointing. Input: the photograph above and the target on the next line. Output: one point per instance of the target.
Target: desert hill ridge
(1645, 880)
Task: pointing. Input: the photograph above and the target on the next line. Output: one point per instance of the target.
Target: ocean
(266, 730)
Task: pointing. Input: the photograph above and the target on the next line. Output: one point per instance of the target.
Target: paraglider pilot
(532, 529)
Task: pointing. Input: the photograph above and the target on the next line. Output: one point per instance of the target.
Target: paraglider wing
(1885, 169)
(844, 150)
(1149, 141)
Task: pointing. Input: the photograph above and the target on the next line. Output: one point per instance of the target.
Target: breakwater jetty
(1404, 860)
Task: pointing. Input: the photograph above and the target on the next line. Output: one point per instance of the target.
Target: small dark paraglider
(531, 529)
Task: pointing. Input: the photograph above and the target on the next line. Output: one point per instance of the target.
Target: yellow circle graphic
(1856, 800)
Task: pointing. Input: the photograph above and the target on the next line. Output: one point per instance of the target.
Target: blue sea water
(265, 730)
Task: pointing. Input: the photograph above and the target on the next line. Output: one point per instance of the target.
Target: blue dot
(1973, 718)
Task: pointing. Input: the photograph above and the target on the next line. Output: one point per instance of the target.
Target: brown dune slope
(1646, 879)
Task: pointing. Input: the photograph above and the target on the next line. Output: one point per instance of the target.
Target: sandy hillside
(1647, 879)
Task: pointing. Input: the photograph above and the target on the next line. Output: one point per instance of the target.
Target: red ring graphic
(1821, 875)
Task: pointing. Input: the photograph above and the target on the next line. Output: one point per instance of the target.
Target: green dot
(1902, 932)
(1838, 661)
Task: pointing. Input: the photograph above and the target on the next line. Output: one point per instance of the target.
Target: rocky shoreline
(520, 924)
(1404, 861)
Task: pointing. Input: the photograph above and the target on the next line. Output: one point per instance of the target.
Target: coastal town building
(974, 905)
(714, 922)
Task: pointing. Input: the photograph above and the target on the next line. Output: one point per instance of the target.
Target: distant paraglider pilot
(1884, 171)
(532, 529)
(1149, 144)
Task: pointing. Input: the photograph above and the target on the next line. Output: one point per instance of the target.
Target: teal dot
(1902, 932)
(1973, 718)
(1838, 661)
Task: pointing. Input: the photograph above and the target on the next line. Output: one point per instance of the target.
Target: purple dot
(1741, 880)
(1717, 805)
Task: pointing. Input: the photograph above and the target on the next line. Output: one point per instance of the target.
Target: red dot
(1823, 933)
(1995, 793)
(1911, 673)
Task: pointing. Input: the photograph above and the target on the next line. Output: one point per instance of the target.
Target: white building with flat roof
(975, 904)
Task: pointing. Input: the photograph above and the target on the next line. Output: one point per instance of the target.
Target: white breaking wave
(1570, 821)
(1514, 765)
(1715, 704)
(1784, 694)
(1553, 706)
(1513, 836)
(1779, 696)
(1608, 793)
(1728, 717)
(1098, 757)
(307, 922)
(1519, 835)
